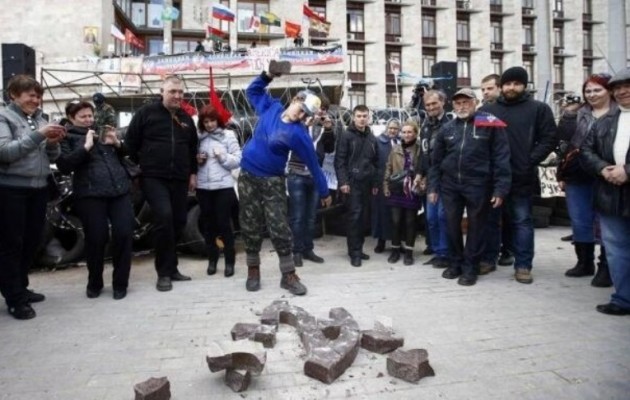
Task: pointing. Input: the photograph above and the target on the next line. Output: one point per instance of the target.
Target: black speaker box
(17, 58)
(449, 86)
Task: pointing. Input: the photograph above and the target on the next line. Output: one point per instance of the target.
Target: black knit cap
(517, 74)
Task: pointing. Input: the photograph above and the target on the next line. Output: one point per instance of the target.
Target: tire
(541, 222)
(71, 240)
(192, 240)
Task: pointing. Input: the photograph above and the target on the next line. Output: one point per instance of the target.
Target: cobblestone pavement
(496, 340)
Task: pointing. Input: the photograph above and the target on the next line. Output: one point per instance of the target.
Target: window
(587, 7)
(497, 65)
(246, 10)
(495, 2)
(355, 21)
(393, 68)
(148, 13)
(357, 61)
(156, 46)
(463, 31)
(356, 97)
(496, 32)
(558, 5)
(427, 62)
(558, 73)
(558, 37)
(528, 64)
(181, 45)
(587, 70)
(321, 10)
(463, 66)
(528, 35)
(392, 24)
(528, 3)
(587, 40)
(428, 26)
(392, 99)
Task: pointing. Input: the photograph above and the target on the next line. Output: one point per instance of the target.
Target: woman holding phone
(102, 191)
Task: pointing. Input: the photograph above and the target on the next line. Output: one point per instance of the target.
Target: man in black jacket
(163, 140)
(470, 169)
(531, 132)
(605, 153)
(356, 166)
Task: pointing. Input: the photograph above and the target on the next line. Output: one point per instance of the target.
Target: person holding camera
(101, 188)
(470, 169)
(218, 155)
(577, 183)
(402, 193)
(28, 144)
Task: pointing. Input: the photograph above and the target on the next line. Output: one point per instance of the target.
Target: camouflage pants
(264, 199)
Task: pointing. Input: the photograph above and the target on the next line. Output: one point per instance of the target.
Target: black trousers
(96, 215)
(404, 226)
(216, 219)
(167, 199)
(357, 201)
(22, 218)
(476, 200)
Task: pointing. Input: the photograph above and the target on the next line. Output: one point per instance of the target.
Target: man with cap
(470, 169)
(104, 114)
(531, 132)
(262, 182)
(606, 154)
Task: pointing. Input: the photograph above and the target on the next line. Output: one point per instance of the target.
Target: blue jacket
(266, 153)
(471, 155)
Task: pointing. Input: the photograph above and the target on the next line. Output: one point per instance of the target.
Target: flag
(292, 29)
(133, 39)
(394, 66)
(487, 119)
(115, 32)
(310, 14)
(254, 23)
(223, 114)
(219, 11)
(320, 26)
(216, 34)
(169, 14)
(270, 19)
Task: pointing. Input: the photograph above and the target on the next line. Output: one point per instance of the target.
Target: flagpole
(167, 47)
(397, 93)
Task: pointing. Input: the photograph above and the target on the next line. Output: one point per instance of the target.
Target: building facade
(559, 42)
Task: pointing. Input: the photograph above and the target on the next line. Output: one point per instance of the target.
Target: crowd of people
(479, 161)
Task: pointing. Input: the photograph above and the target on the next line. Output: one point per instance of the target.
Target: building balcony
(390, 38)
(429, 3)
(463, 5)
(496, 8)
(528, 12)
(356, 76)
(356, 36)
(496, 46)
(587, 53)
(559, 51)
(529, 48)
(390, 78)
(429, 41)
(558, 86)
(463, 44)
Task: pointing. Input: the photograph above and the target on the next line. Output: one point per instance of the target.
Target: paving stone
(264, 334)
(409, 365)
(238, 380)
(251, 362)
(381, 342)
(153, 389)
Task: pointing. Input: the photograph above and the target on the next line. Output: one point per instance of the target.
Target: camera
(572, 99)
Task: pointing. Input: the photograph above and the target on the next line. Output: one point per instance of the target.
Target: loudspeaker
(449, 86)
(17, 58)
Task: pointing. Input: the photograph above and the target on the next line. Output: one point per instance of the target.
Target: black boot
(468, 276)
(585, 266)
(380, 246)
(395, 256)
(230, 259)
(213, 258)
(408, 258)
(602, 277)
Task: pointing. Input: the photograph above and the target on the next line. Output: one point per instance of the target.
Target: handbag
(133, 170)
(396, 181)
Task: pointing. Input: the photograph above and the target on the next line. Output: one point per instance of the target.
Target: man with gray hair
(163, 140)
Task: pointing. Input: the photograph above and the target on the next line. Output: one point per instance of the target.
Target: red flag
(223, 113)
(487, 119)
(310, 14)
(292, 30)
(188, 108)
(132, 39)
(216, 33)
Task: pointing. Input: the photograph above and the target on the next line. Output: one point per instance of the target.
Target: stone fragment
(237, 380)
(384, 323)
(247, 356)
(153, 389)
(264, 334)
(381, 342)
(411, 365)
(331, 345)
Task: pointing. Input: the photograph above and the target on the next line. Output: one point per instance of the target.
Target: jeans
(167, 199)
(616, 237)
(96, 214)
(22, 219)
(381, 217)
(522, 226)
(580, 203)
(436, 220)
(303, 202)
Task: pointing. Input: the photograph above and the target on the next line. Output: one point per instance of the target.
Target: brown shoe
(485, 268)
(253, 279)
(291, 282)
(523, 275)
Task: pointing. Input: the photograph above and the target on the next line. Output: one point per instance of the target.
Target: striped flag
(270, 19)
(292, 29)
(219, 11)
(487, 119)
(115, 32)
(133, 39)
(319, 26)
(216, 34)
(254, 23)
(310, 14)
(394, 66)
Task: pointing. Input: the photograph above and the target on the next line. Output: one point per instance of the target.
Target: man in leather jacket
(606, 154)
